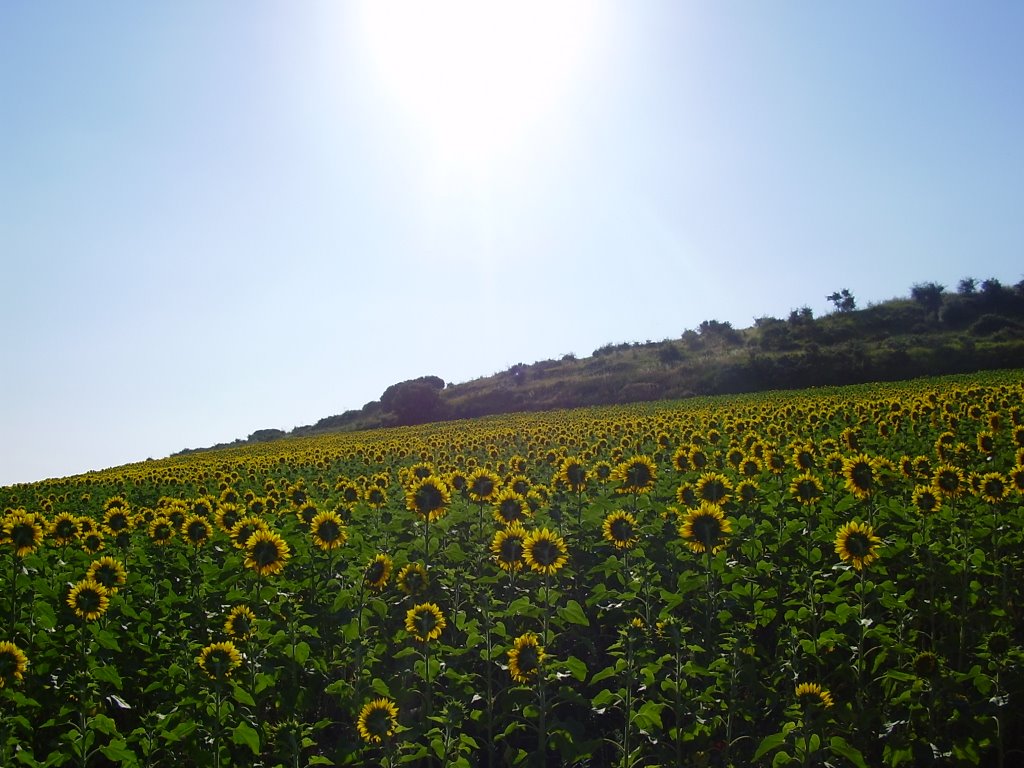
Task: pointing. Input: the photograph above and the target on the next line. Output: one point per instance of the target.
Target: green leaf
(576, 668)
(381, 688)
(117, 750)
(245, 735)
(301, 652)
(770, 743)
(103, 724)
(242, 696)
(573, 613)
(841, 747)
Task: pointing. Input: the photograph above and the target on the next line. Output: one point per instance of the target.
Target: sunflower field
(828, 577)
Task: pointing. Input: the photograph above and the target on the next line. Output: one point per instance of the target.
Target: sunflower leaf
(573, 613)
(245, 735)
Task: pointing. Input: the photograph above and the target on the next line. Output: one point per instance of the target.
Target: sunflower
(686, 495)
(376, 497)
(328, 531)
(748, 491)
(377, 721)
(806, 488)
(993, 488)
(705, 529)
(619, 528)
(859, 472)
(24, 531)
(428, 497)
(926, 500)
(949, 481)
(266, 553)
(510, 507)
(116, 520)
(413, 579)
(377, 572)
(227, 516)
(573, 473)
(813, 695)
(89, 599)
(305, 514)
(243, 530)
(196, 529)
(241, 622)
(635, 475)
(926, 664)
(108, 572)
(13, 663)
(714, 488)
(64, 529)
(218, 660)
(545, 551)
(857, 543)
(525, 658)
(92, 542)
(482, 485)
(508, 547)
(161, 530)
(425, 622)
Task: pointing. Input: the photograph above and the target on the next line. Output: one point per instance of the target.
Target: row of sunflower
(790, 577)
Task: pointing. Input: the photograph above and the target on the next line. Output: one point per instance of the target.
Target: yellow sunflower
(705, 529)
(24, 531)
(428, 497)
(619, 528)
(377, 572)
(425, 622)
(813, 695)
(243, 530)
(545, 551)
(573, 473)
(116, 520)
(196, 529)
(108, 572)
(926, 500)
(377, 721)
(328, 531)
(64, 529)
(859, 472)
(635, 475)
(266, 553)
(806, 488)
(413, 579)
(949, 481)
(857, 544)
(161, 530)
(507, 547)
(714, 488)
(510, 507)
(13, 664)
(525, 658)
(88, 599)
(482, 485)
(241, 622)
(993, 487)
(218, 660)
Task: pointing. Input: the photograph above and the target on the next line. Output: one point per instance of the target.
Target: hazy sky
(217, 217)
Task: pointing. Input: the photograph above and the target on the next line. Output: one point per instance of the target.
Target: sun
(475, 78)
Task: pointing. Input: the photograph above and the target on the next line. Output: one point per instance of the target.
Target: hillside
(932, 332)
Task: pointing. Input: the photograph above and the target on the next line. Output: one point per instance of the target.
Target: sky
(220, 216)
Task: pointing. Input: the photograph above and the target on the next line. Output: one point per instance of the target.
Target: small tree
(929, 296)
(968, 286)
(843, 300)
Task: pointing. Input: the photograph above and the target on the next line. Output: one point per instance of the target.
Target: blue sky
(217, 217)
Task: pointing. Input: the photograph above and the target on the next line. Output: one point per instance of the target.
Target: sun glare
(476, 77)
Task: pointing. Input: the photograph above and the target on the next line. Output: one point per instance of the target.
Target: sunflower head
(266, 553)
(525, 658)
(219, 660)
(377, 572)
(482, 485)
(64, 529)
(161, 530)
(705, 529)
(926, 501)
(428, 497)
(507, 547)
(806, 488)
(328, 531)
(196, 530)
(860, 476)
(573, 474)
(620, 530)
(413, 579)
(545, 552)
(993, 487)
(89, 599)
(857, 544)
(13, 663)
(949, 481)
(812, 695)
(510, 507)
(378, 720)
(714, 488)
(240, 623)
(635, 475)
(425, 622)
(926, 664)
(108, 572)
